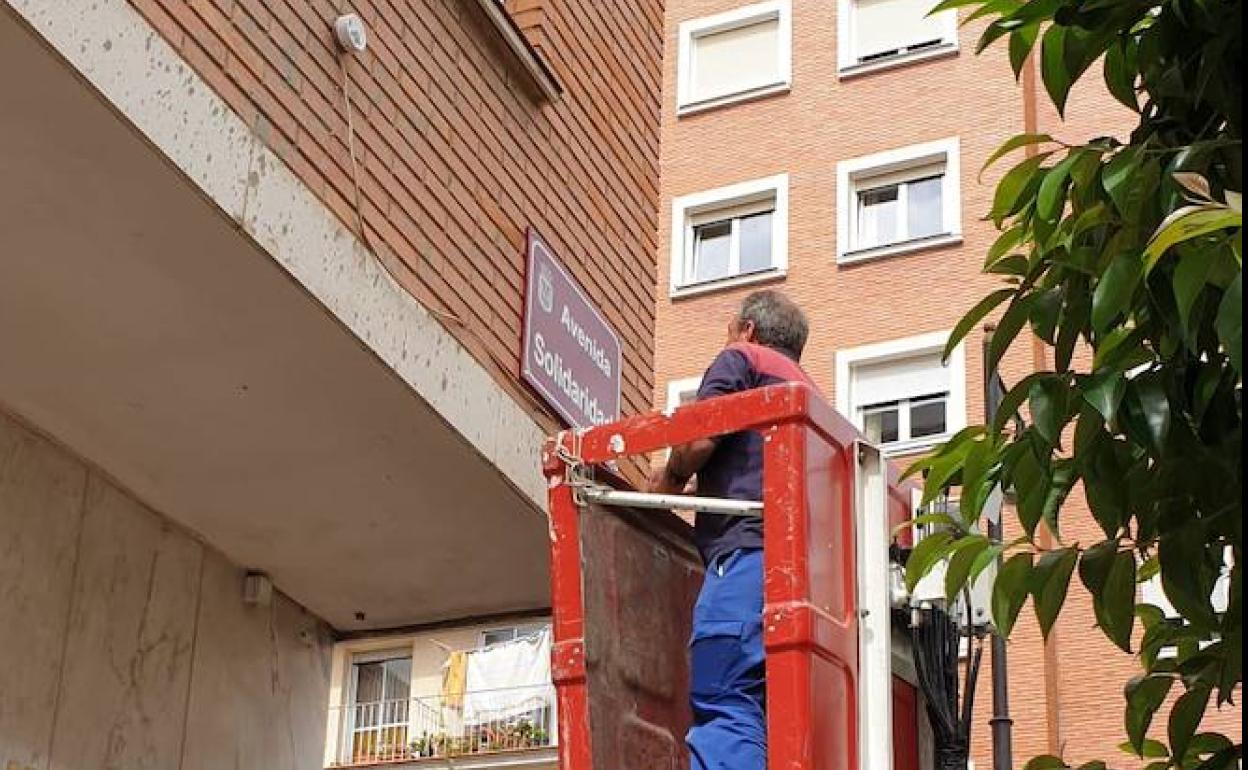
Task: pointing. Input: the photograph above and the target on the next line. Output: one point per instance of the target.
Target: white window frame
(688, 210)
(847, 60)
(893, 350)
(344, 657)
(890, 167)
(675, 388)
(690, 30)
(519, 631)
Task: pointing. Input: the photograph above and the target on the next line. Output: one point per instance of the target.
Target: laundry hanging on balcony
(455, 679)
(510, 680)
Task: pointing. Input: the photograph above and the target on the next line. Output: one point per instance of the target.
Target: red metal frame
(810, 613)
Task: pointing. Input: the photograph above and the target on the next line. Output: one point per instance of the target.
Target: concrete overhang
(185, 328)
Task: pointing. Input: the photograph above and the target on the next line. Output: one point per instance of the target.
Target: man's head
(769, 318)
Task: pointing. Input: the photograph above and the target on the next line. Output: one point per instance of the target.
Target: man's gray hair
(778, 322)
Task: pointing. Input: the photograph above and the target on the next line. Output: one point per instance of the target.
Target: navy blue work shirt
(735, 468)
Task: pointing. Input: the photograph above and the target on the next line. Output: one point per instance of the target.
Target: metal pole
(1002, 724)
(723, 506)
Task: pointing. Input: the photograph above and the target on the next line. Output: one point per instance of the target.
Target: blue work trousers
(727, 662)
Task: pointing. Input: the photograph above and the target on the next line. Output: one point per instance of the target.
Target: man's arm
(685, 461)
(728, 373)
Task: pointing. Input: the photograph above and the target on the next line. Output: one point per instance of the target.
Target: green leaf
(984, 560)
(1044, 314)
(1187, 223)
(1230, 322)
(1145, 694)
(975, 480)
(1186, 576)
(1104, 391)
(948, 5)
(1057, 79)
(992, 33)
(1148, 411)
(1011, 324)
(1010, 591)
(1013, 400)
(1185, 717)
(1031, 484)
(1074, 321)
(1105, 487)
(1095, 564)
(1046, 762)
(1151, 749)
(973, 317)
(1051, 196)
(1113, 292)
(1119, 348)
(1190, 276)
(1114, 604)
(1050, 408)
(1227, 759)
(1131, 180)
(929, 551)
(1016, 187)
(1149, 569)
(1121, 73)
(1012, 144)
(1022, 41)
(1004, 243)
(1014, 264)
(1050, 582)
(1203, 744)
(959, 570)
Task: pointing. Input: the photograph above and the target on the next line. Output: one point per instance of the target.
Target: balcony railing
(414, 729)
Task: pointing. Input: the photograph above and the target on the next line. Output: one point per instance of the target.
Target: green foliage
(1132, 250)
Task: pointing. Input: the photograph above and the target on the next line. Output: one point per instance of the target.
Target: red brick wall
(1069, 700)
(458, 150)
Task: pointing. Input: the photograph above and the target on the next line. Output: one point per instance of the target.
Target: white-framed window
(492, 636)
(379, 703)
(730, 235)
(900, 394)
(874, 34)
(680, 392)
(899, 201)
(741, 54)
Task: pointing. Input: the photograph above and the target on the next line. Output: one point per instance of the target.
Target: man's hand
(662, 481)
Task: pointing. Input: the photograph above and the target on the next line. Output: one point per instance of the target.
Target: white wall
(124, 642)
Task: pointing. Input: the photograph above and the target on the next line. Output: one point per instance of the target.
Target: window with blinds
(736, 59)
(883, 29)
(730, 235)
(902, 400)
(898, 201)
(741, 52)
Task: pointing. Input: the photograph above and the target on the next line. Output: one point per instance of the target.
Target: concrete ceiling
(140, 328)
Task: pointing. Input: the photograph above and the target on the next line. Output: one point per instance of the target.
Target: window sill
(914, 446)
(942, 51)
(896, 249)
(533, 63)
(749, 95)
(723, 284)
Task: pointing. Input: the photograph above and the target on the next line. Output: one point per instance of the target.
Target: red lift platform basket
(624, 582)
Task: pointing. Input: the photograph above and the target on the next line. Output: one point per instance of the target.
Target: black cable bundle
(936, 641)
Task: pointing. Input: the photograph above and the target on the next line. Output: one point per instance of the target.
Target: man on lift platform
(728, 687)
